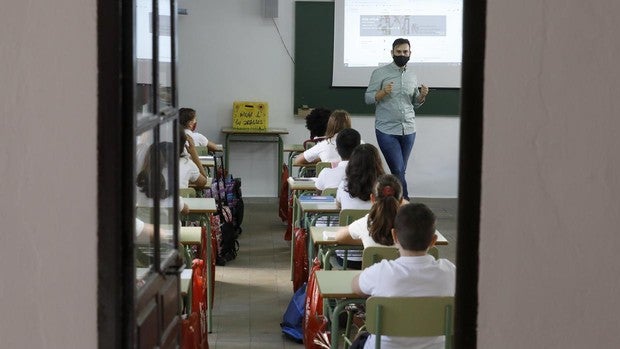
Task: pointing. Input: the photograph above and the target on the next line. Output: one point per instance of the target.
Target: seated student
(354, 191)
(316, 122)
(362, 171)
(346, 141)
(375, 228)
(187, 119)
(325, 150)
(414, 274)
(190, 168)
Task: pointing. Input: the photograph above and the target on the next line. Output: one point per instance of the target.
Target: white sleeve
(321, 180)
(193, 171)
(340, 193)
(358, 227)
(313, 154)
(199, 139)
(370, 277)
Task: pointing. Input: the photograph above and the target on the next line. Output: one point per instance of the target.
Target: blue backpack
(293, 317)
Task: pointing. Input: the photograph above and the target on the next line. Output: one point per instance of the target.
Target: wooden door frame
(115, 149)
(115, 301)
(470, 172)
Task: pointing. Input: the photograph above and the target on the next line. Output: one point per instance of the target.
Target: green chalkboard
(314, 43)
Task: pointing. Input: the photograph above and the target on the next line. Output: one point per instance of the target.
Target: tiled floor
(253, 291)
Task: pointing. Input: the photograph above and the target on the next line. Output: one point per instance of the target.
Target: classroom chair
(434, 251)
(329, 192)
(310, 169)
(347, 216)
(202, 150)
(410, 317)
(187, 192)
(375, 254)
(322, 165)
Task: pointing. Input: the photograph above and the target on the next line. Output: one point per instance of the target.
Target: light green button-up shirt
(394, 114)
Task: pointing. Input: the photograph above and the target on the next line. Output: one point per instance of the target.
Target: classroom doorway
(119, 128)
(138, 256)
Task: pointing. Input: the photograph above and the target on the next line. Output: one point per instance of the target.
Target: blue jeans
(396, 150)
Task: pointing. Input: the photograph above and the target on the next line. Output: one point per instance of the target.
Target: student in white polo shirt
(346, 141)
(414, 274)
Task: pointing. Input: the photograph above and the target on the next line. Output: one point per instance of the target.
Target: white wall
(549, 267)
(228, 52)
(48, 188)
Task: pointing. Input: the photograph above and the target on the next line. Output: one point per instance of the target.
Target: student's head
(414, 227)
(388, 195)
(346, 141)
(187, 118)
(316, 122)
(338, 121)
(362, 171)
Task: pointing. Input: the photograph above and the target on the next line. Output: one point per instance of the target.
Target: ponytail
(388, 193)
(381, 220)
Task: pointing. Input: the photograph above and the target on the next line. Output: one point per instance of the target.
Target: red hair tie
(388, 191)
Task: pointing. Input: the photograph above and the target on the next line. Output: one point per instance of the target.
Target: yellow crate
(250, 115)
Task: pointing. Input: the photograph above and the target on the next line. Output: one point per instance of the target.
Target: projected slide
(365, 29)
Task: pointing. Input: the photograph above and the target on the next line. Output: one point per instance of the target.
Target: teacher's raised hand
(423, 91)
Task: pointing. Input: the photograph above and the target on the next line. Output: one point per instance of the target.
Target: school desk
(268, 135)
(326, 246)
(203, 207)
(336, 285)
(297, 186)
(323, 245)
(292, 150)
(310, 210)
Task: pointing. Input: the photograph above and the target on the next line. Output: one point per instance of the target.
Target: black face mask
(400, 60)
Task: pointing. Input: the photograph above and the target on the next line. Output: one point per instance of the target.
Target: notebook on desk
(317, 198)
(304, 179)
(329, 235)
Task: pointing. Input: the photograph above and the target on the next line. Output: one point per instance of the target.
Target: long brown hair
(338, 121)
(362, 171)
(388, 194)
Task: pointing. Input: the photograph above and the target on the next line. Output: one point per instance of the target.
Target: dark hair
(182, 140)
(399, 42)
(415, 227)
(338, 121)
(154, 164)
(346, 141)
(388, 193)
(186, 115)
(362, 171)
(316, 122)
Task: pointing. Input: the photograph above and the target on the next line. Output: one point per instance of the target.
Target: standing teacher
(394, 90)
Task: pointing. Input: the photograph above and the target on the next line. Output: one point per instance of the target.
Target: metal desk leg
(340, 304)
(226, 151)
(334, 317)
(293, 220)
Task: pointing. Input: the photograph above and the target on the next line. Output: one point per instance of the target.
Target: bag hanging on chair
(315, 323)
(300, 261)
